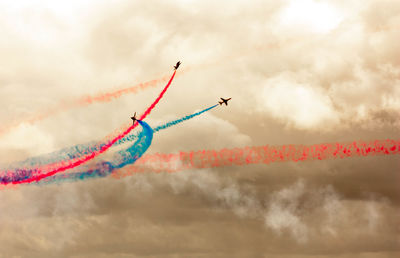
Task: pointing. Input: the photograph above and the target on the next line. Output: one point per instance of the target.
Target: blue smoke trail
(80, 150)
(169, 124)
(57, 156)
(142, 143)
(119, 160)
(175, 122)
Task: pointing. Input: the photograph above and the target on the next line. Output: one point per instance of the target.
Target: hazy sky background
(298, 72)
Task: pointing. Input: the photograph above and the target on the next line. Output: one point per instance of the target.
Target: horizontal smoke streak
(260, 155)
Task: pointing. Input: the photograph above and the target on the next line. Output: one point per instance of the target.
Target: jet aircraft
(177, 65)
(133, 118)
(224, 101)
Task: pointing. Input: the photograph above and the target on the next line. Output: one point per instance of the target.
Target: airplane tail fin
(220, 103)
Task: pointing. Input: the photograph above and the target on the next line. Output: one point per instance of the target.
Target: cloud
(300, 104)
(319, 17)
(26, 139)
(311, 79)
(224, 192)
(281, 212)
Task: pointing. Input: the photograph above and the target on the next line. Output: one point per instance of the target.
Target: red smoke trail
(260, 155)
(62, 166)
(83, 101)
(109, 96)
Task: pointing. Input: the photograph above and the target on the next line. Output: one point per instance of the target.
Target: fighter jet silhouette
(224, 101)
(177, 65)
(133, 118)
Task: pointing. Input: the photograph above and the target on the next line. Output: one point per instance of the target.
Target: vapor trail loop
(103, 169)
(77, 151)
(119, 160)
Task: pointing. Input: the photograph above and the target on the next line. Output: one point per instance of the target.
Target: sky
(298, 71)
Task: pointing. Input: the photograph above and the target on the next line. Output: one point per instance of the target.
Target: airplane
(224, 101)
(177, 65)
(133, 118)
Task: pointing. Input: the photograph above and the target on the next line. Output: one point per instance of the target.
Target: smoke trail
(77, 151)
(64, 154)
(261, 155)
(102, 168)
(169, 124)
(84, 101)
(258, 155)
(20, 176)
(119, 160)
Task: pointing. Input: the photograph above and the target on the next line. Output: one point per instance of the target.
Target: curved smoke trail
(169, 124)
(105, 168)
(20, 176)
(79, 150)
(119, 160)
